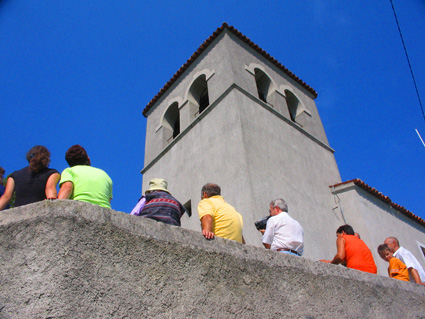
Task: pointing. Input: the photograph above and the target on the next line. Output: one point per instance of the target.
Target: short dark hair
(211, 189)
(346, 229)
(38, 158)
(383, 247)
(77, 155)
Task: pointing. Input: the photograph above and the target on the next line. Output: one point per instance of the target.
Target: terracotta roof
(386, 199)
(202, 48)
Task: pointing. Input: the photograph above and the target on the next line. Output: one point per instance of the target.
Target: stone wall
(68, 259)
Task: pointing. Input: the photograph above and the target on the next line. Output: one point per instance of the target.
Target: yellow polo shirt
(227, 222)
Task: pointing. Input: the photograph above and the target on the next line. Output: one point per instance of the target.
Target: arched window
(198, 93)
(294, 105)
(263, 84)
(171, 121)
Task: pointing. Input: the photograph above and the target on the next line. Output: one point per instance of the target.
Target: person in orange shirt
(352, 251)
(397, 269)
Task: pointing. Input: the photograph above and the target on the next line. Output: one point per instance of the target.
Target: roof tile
(202, 48)
(384, 198)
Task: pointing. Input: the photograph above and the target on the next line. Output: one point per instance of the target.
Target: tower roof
(203, 47)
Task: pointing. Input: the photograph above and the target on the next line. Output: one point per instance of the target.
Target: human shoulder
(216, 198)
(402, 252)
(68, 170)
(281, 217)
(407, 257)
(207, 206)
(274, 220)
(66, 176)
(397, 261)
(101, 172)
(88, 169)
(20, 172)
(49, 171)
(212, 200)
(206, 202)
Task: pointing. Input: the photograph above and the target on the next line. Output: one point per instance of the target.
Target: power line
(408, 61)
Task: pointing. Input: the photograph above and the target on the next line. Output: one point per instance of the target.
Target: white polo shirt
(282, 231)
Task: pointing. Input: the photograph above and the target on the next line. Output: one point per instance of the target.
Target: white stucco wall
(376, 220)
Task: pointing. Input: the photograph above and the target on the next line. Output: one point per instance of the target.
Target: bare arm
(267, 245)
(206, 224)
(413, 273)
(52, 181)
(340, 251)
(7, 196)
(66, 190)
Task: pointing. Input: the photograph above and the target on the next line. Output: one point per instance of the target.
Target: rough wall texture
(68, 259)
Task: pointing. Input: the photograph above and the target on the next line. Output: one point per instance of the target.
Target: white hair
(279, 202)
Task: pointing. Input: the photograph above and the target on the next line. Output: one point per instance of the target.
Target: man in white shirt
(416, 272)
(283, 233)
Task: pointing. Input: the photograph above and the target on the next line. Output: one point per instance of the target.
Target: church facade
(235, 116)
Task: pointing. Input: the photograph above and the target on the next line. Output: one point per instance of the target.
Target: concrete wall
(68, 259)
(375, 220)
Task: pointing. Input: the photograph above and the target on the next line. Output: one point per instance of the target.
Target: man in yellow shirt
(218, 218)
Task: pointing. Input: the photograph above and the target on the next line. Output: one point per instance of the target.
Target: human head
(385, 252)
(347, 229)
(77, 155)
(210, 190)
(278, 205)
(2, 171)
(357, 235)
(38, 158)
(157, 184)
(392, 243)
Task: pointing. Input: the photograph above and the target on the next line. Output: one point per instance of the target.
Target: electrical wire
(408, 61)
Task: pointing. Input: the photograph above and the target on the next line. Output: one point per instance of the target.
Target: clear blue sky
(81, 72)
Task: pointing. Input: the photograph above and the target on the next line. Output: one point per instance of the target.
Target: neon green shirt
(227, 222)
(91, 184)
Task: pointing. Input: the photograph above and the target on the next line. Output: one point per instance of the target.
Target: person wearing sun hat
(161, 205)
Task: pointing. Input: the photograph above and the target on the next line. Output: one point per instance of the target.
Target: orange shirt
(358, 255)
(398, 270)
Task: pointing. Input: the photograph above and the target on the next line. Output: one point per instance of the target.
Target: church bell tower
(235, 116)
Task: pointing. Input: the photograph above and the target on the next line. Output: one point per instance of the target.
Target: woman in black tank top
(33, 183)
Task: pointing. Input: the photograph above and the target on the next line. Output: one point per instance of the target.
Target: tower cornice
(205, 45)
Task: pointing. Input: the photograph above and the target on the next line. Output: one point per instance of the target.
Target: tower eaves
(203, 47)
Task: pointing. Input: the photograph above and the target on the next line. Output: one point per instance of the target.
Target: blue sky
(81, 72)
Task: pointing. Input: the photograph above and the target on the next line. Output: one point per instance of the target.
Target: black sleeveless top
(30, 187)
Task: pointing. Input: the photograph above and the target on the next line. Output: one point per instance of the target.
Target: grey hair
(279, 202)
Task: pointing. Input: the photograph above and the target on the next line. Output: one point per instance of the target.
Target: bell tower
(235, 116)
